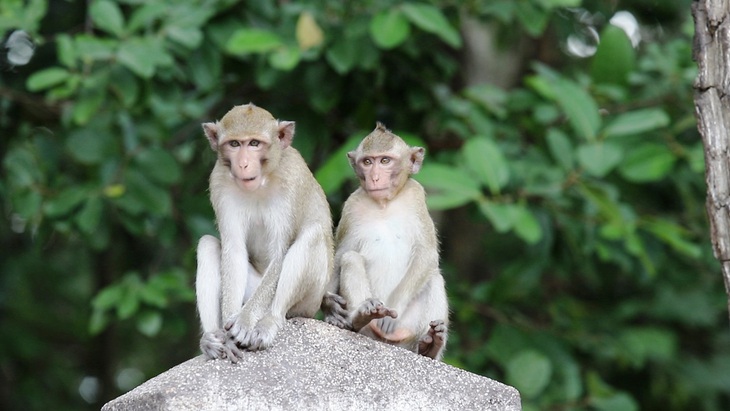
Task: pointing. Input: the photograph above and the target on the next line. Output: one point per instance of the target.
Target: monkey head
(383, 162)
(249, 141)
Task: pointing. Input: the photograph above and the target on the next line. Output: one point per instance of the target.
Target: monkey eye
(254, 143)
(367, 161)
(385, 160)
(234, 143)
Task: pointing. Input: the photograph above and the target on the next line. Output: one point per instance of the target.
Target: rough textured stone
(315, 366)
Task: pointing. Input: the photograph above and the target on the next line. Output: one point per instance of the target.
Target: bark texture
(711, 51)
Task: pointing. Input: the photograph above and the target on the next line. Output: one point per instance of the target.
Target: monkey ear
(286, 133)
(351, 155)
(417, 154)
(211, 132)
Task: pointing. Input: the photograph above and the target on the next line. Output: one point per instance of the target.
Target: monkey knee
(208, 246)
(352, 262)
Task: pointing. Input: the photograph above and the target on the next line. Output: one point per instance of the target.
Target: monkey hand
(334, 307)
(371, 309)
(217, 345)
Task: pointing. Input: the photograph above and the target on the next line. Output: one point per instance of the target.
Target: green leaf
(90, 215)
(615, 402)
(108, 297)
(141, 195)
(336, 170)
(532, 18)
(247, 41)
(47, 78)
(98, 322)
(65, 202)
(500, 215)
(389, 28)
(155, 295)
(492, 98)
(190, 37)
(647, 162)
(599, 158)
(636, 122)
(147, 14)
(674, 235)
(205, 67)
(140, 55)
(342, 56)
(107, 16)
(285, 58)
(93, 48)
(614, 58)
(447, 187)
(22, 167)
(552, 4)
(578, 106)
(149, 323)
(125, 86)
(641, 344)
(530, 372)
(486, 162)
(159, 165)
(89, 146)
(430, 19)
(87, 104)
(526, 225)
(66, 50)
(561, 148)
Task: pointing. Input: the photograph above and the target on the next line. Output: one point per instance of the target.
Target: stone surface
(315, 366)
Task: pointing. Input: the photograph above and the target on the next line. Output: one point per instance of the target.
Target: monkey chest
(387, 252)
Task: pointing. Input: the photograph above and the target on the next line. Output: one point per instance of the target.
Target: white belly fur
(387, 255)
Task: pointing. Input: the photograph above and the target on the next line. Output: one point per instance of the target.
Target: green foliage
(569, 200)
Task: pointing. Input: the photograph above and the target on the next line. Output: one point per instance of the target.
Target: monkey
(386, 253)
(275, 253)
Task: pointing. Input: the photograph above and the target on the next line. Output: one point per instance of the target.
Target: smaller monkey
(386, 258)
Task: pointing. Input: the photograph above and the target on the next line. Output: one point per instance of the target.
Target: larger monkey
(390, 285)
(274, 257)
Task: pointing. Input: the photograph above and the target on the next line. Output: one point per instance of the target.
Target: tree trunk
(711, 51)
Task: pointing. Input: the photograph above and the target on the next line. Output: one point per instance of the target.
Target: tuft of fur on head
(247, 119)
(381, 140)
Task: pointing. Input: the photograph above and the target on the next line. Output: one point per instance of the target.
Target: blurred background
(564, 170)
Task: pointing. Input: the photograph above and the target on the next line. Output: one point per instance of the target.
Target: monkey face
(381, 176)
(245, 158)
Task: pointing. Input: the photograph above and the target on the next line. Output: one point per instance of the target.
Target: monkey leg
(297, 292)
(208, 283)
(423, 326)
(431, 345)
(354, 285)
(214, 342)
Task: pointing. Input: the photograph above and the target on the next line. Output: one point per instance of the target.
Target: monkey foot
(257, 338)
(432, 343)
(335, 311)
(371, 309)
(217, 345)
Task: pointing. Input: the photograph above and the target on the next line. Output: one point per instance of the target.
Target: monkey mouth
(248, 183)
